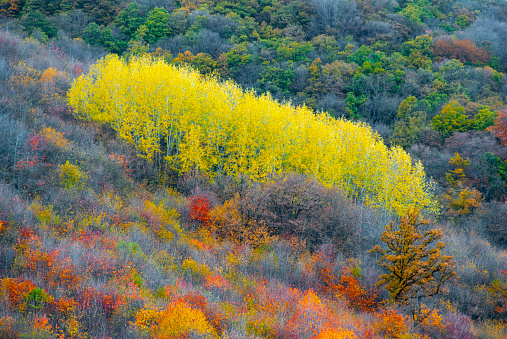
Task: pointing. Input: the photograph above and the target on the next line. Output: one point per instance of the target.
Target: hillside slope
(173, 211)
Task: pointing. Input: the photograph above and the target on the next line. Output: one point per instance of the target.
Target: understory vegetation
(253, 169)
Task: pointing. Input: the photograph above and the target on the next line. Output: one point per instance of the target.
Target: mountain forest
(233, 169)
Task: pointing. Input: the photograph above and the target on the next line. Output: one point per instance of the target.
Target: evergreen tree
(36, 20)
(129, 19)
(157, 25)
(92, 34)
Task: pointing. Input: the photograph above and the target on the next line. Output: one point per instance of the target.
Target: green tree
(452, 118)
(409, 123)
(129, 19)
(484, 119)
(244, 8)
(416, 10)
(360, 55)
(36, 299)
(112, 44)
(326, 45)
(353, 103)
(92, 34)
(178, 22)
(138, 44)
(294, 51)
(277, 78)
(416, 267)
(494, 172)
(407, 107)
(37, 20)
(204, 63)
(157, 24)
(234, 60)
(462, 21)
(200, 22)
(418, 51)
(45, 7)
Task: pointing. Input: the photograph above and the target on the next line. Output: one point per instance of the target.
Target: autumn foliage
(500, 126)
(199, 209)
(390, 324)
(463, 50)
(178, 320)
(252, 202)
(347, 285)
(416, 266)
(190, 122)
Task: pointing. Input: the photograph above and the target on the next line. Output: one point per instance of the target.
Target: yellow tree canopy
(173, 114)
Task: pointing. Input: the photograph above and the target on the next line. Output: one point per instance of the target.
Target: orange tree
(500, 126)
(416, 267)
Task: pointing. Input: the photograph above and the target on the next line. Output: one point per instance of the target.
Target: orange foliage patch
(42, 323)
(274, 301)
(217, 281)
(336, 333)
(49, 75)
(3, 226)
(53, 269)
(120, 160)
(91, 298)
(64, 306)
(213, 316)
(462, 50)
(390, 324)
(54, 138)
(178, 320)
(347, 286)
(129, 284)
(14, 290)
(500, 126)
(310, 317)
(430, 321)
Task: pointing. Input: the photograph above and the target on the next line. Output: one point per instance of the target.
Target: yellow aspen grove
(174, 114)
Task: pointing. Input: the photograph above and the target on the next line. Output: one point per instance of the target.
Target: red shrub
(90, 298)
(32, 157)
(199, 209)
